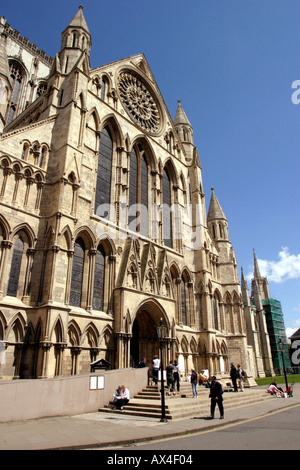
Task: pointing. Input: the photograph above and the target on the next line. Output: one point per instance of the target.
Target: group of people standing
(121, 396)
(237, 374)
(172, 373)
(173, 377)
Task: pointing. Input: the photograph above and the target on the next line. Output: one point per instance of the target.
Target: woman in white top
(156, 364)
(123, 399)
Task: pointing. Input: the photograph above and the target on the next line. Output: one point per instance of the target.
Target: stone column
(46, 345)
(18, 177)
(178, 300)
(26, 289)
(111, 283)
(6, 172)
(29, 183)
(68, 277)
(55, 249)
(92, 254)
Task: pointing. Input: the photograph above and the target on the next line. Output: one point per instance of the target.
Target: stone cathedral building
(103, 224)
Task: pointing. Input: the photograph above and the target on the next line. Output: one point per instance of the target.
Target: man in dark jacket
(234, 376)
(216, 396)
(170, 378)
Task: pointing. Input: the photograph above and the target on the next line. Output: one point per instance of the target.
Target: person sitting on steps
(123, 398)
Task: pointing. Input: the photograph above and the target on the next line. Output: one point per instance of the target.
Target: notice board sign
(96, 382)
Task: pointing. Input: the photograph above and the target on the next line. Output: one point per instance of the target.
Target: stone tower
(257, 330)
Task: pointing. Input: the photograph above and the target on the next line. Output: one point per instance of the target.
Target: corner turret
(184, 131)
(216, 220)
(76, 40)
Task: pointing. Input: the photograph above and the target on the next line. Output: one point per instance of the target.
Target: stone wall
(32, 399)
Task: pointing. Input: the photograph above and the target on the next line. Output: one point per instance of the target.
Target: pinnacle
(215, 210)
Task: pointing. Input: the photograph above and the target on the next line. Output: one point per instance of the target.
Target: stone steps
(147, 403)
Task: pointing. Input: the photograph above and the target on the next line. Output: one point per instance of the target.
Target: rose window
(139, 102)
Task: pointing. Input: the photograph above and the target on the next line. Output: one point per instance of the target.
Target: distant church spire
(245, 289)
(256, 267)
(260, 282)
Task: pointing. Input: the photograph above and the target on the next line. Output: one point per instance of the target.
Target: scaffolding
(277, 335)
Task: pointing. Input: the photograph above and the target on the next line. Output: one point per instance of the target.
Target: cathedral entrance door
(144, 342)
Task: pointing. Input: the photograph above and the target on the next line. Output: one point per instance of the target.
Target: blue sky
(232, 64)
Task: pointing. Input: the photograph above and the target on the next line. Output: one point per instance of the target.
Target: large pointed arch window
(99, 278)
(138, 191)
(15, 269)
(104, 173)
(77, 273)
(17, 76)
(183, 301)
(216, 312)
(167, 214)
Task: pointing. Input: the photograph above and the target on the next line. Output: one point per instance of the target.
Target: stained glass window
(77, 273)
(183, 301)
(104, 172)
(99, 276)
(16, 79)
(15, 269)
(138, 191)
(167, 215)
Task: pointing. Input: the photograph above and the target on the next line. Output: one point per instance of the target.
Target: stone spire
(181, 117)
(76, 41)
(257, 275)
(245, 289)
(184, 131)
(259, 283)
(79, 21)
(216, 220)
(215, 211)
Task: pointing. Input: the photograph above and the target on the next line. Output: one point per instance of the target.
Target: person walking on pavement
(240, 377)
(234, 376)
(216, 396)
(194, 382)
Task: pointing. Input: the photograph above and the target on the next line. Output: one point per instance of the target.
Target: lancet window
(167, 214)
(104, 173)
(138, 191)
(77, 273)
(15, 269)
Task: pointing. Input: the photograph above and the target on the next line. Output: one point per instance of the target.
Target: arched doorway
(144, 342)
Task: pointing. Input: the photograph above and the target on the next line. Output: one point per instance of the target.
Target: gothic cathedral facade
(103, 225)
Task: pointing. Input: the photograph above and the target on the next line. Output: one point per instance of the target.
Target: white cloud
(290, 331)
(286, 267)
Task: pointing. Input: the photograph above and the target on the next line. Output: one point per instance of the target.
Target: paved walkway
(102, 430)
